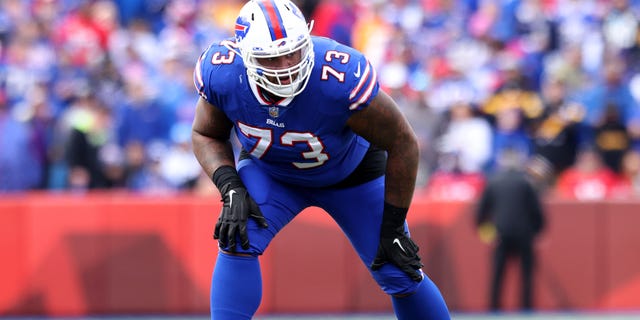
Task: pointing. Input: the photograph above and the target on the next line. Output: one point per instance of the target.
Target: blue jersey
(301, 140)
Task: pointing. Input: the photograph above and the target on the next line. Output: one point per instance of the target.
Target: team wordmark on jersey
(275, 124)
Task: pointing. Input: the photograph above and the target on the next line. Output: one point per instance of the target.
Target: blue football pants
(236, 286)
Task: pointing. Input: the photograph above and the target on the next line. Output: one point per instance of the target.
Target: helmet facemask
(257, 47)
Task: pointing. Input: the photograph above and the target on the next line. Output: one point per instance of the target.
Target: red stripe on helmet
(273, 19)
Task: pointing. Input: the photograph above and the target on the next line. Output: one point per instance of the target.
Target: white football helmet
(273, 28)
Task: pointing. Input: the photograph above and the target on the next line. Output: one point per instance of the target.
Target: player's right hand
(237, 208)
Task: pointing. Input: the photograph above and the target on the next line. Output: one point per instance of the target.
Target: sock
(236, 287)
(425, 304)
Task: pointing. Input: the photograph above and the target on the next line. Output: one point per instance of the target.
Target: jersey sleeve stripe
(363, 80)
(198, 82)
(368, 92)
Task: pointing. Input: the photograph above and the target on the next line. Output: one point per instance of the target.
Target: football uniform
(299, 152)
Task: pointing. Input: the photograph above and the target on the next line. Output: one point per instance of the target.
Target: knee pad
(393, 281)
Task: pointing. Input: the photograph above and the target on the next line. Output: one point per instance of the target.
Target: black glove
(395, 246)
(237, 207)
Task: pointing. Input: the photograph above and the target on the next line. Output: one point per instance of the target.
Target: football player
(314, 130)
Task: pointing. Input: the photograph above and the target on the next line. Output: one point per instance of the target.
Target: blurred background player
(314, 130)
(510, 211)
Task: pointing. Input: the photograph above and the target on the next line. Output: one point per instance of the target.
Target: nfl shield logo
(274, 112)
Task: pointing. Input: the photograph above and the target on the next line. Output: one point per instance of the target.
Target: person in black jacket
(510, 203)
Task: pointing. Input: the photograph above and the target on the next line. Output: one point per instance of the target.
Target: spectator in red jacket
(588, 179)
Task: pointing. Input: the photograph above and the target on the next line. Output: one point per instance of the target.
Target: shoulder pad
(346, 74)
(217, 69)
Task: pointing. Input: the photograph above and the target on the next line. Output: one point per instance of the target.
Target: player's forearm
(212, 153)
(384, 125)
(402, 168)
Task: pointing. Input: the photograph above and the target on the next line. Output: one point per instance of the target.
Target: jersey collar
(260, 96)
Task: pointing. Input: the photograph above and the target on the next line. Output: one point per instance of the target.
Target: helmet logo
(242, 27)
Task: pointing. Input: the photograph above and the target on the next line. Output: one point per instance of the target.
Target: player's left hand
(397, 248)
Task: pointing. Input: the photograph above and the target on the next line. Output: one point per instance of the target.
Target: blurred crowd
(98, 94)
